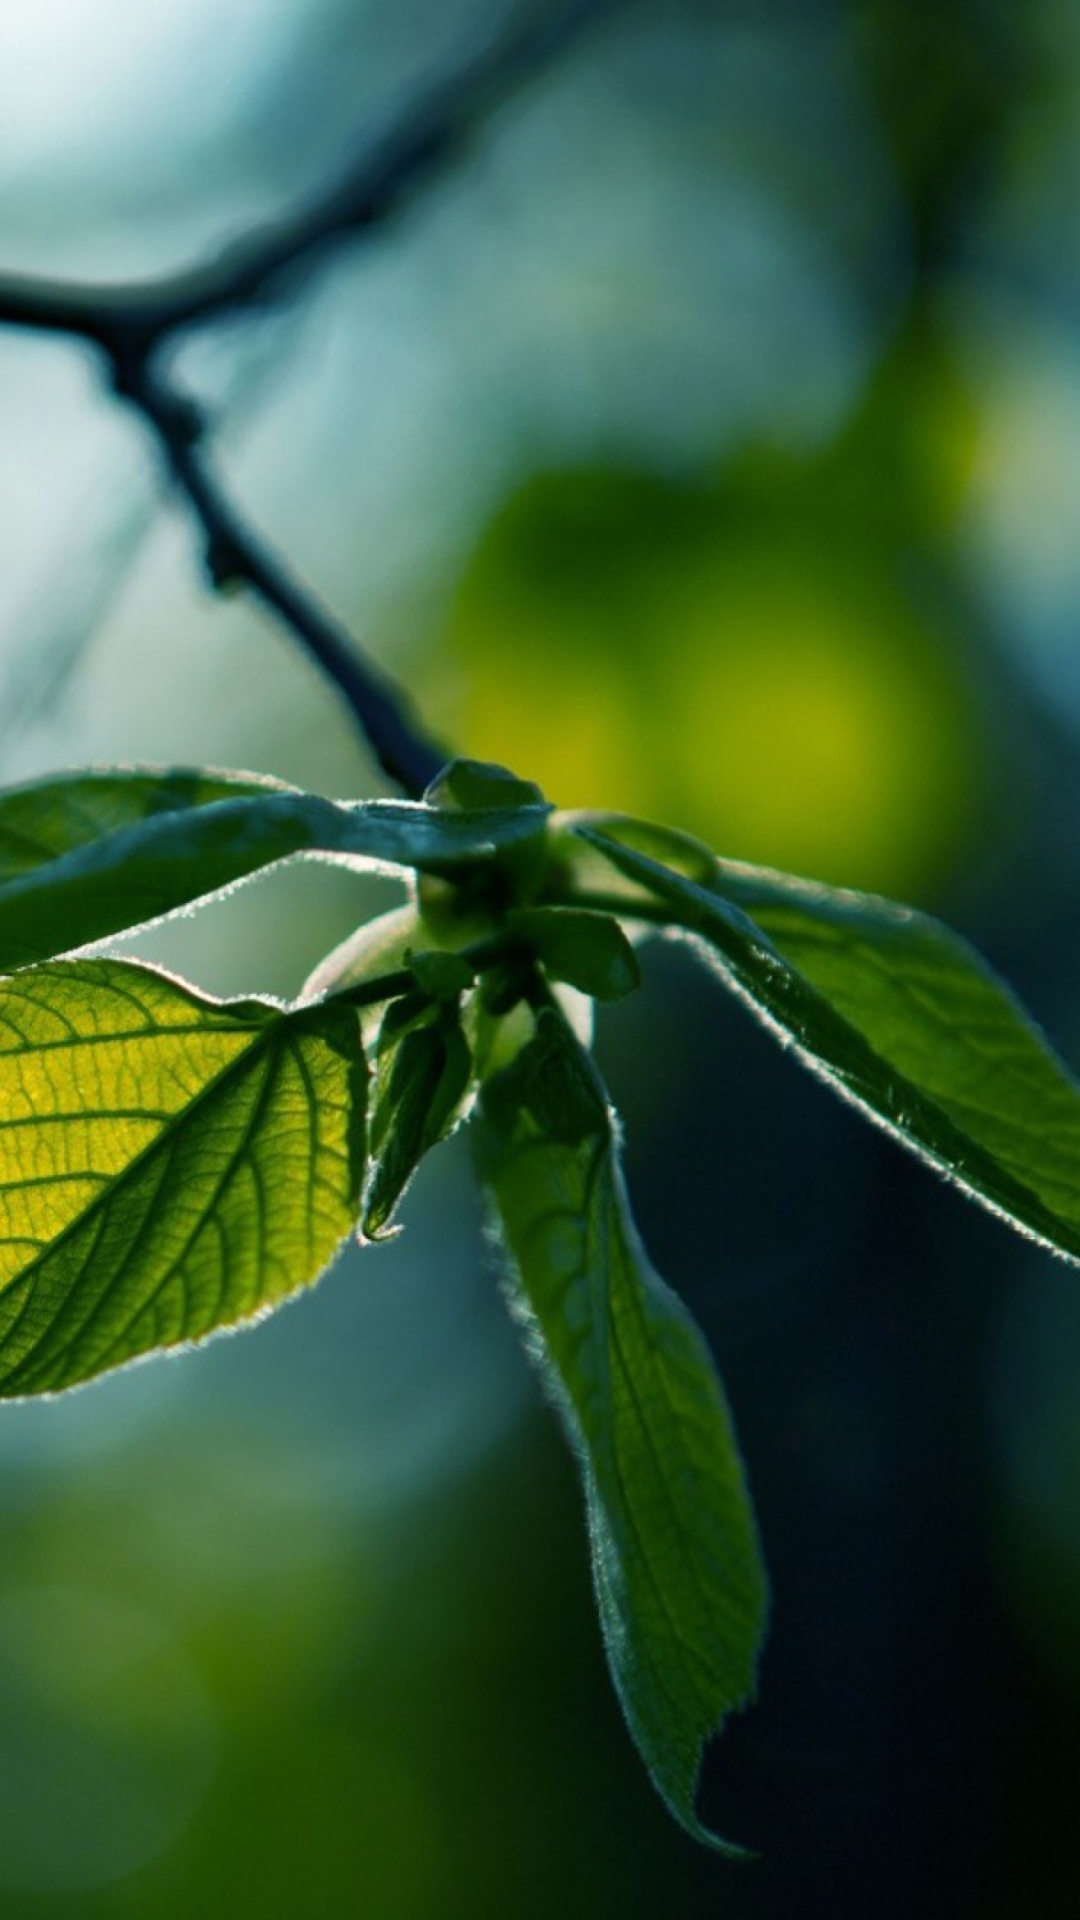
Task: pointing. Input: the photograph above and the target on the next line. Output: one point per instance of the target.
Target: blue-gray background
(706, 444)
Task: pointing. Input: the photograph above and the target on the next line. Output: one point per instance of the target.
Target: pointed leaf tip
(679, 1580)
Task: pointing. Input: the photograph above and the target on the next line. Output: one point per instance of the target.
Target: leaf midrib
(236, 1153)
(266, 1035)
(612, 1227)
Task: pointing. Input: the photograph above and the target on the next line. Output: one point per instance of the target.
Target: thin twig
(236, 556)
(132, 324)
(375, 184)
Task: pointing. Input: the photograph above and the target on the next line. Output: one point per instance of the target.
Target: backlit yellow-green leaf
(169, 1164)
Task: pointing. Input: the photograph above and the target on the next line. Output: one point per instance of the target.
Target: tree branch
(131, 324)
(236, 556)
(375, 184)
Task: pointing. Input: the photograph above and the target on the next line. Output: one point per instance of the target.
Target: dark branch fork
(132, 325)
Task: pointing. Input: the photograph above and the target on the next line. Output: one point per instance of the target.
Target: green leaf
(406, 1011)
(422, 1086)
(589, 951)
(890, 1007)
(85, 858)
(377, 948)
(169, 1164)
(679, 1581)
(442, 976)
(47, 818)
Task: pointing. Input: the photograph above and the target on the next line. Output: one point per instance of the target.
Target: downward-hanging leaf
(679, 1581)
(896, 1012)
(84, 858)
(169, 1164)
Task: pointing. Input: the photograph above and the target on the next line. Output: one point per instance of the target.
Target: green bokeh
(742, 658)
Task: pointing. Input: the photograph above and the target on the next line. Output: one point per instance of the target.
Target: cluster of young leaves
(172, 1164)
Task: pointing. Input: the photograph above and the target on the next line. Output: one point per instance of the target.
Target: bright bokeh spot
(822, 730)
(643, 647)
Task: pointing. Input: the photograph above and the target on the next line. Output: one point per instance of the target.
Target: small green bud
(479, 786)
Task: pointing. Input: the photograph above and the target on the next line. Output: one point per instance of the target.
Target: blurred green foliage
(744, 657)
(704, 448)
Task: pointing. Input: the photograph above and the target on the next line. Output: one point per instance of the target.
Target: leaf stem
(385, 986)
(482, 955)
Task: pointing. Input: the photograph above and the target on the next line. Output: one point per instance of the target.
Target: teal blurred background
(706, 445)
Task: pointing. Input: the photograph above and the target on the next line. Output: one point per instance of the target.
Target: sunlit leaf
(86, 858)
(679, 1581)
(169, 1164)
(891, 1007)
